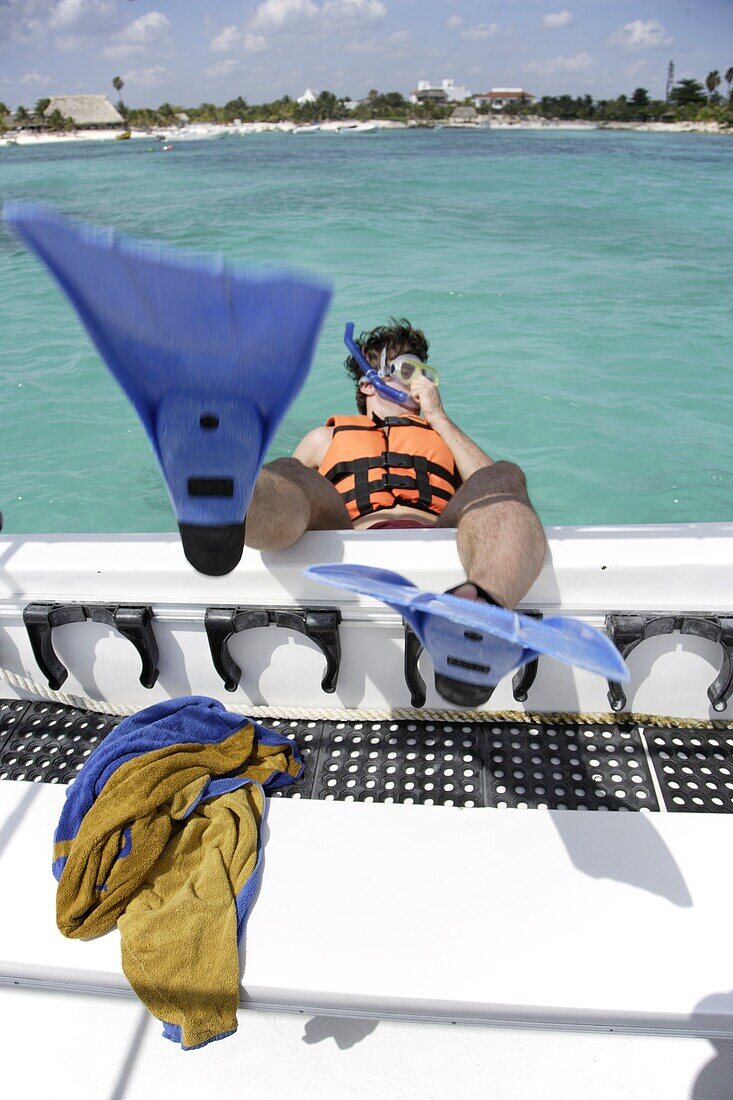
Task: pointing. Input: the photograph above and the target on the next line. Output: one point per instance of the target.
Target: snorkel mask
(403, 367)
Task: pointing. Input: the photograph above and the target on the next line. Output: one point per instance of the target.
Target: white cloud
(136, 37)
(581, 63)
(393, 45)
(482, 31)
(34, 78)
(23, 20)
(453, 22)
(124, 49)
(227, 40)
(254, 43)
(84, 15)
(642, 34)
(554, 20)
(146, 78)
(276, 13)
(361, 11)
(147, 28)
(223, 68)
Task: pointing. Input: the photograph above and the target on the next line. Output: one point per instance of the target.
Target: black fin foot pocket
(456, 691)
(214, 551)
(460, 693)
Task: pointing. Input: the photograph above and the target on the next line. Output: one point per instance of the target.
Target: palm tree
(729, 78)
(167, 115)
(712, 82)
(118, 84)
(56, 121)
(21, 115)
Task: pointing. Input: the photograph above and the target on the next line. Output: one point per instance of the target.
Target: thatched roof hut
(465, 116)
(87, 111)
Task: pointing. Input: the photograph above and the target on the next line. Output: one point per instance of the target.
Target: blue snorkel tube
(370, 374)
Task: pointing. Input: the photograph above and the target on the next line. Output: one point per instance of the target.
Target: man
(389, 467)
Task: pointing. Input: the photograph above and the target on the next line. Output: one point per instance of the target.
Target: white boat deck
(391, 925)
(543, 918)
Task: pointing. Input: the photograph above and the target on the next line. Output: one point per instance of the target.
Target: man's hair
(398, 337)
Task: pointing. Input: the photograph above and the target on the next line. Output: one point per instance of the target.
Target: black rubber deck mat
(11, 713)
(568, 767)
(502, 765)
(50, 742)
(694, 769)
(432, 763)
(307, 736)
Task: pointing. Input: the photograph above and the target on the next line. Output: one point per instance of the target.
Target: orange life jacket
(376, 464)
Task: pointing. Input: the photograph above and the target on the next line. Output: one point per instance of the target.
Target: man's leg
(288, 500)
(500, 540)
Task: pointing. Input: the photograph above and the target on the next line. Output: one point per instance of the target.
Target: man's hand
(467, 455)
(427, 396)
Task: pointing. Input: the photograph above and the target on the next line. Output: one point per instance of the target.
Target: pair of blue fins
(211, 357)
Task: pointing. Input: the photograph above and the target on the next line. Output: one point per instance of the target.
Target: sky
(187, 52)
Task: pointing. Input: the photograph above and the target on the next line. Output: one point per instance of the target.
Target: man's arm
(312, 448)
(468, 455)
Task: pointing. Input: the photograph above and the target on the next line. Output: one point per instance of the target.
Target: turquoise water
(575, 288)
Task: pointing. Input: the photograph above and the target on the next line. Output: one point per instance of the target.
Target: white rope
(389, 714)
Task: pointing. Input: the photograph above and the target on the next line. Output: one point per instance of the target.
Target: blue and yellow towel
(159, 834)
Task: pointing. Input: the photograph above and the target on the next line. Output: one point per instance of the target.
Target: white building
(498, 98)
(308, 96)
(446, 92)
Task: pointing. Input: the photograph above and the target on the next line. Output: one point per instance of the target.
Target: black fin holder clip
(131, 621)
(320, 624)
(628, 631)
(522, 680)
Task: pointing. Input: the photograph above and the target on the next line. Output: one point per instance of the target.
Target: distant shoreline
(204, 131)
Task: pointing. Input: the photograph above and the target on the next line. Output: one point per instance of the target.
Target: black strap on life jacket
(393, 460)
(359, 468)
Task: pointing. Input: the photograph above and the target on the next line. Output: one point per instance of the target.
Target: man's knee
(289, 468)
(505, 478)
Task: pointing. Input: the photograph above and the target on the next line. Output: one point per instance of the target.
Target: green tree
(21, 115)
(712, 83)
(40, 108)
(236, 108)
(118, 84)
(166, 114)
(688, 93)
(729, 78)
(327, 105)
(640, 98)
(56, 121)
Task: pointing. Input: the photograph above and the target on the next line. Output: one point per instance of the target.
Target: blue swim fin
(210, 355)
(474, 645)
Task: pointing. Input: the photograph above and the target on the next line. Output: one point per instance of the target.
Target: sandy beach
(209, 131)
